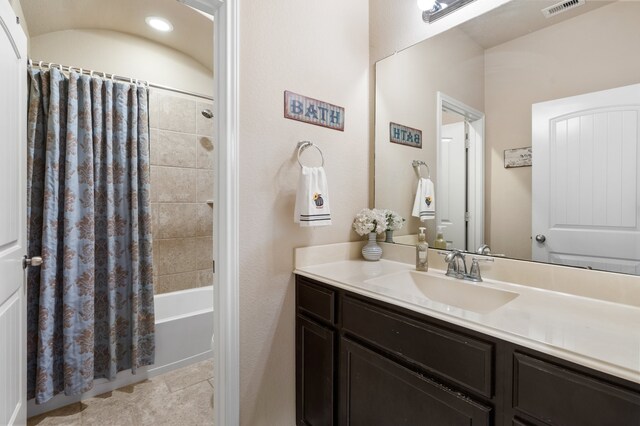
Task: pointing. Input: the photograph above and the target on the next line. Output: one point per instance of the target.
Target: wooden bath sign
(405, 135)
(312, 111)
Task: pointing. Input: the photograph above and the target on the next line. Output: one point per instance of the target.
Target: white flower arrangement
(393, 219)
(368, 221)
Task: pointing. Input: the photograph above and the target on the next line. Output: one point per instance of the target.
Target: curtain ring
(30, 62)
(40, 64)
(302, 145)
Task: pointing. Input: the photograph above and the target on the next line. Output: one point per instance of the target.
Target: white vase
(372, 251)
(389, 235)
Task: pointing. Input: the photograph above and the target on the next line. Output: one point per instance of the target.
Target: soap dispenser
(422, 247)
(440, 242)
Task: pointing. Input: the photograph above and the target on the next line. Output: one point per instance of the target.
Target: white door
(586, 180)
(452, 200)
(13, 96)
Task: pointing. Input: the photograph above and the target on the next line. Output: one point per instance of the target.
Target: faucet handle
(474, 273)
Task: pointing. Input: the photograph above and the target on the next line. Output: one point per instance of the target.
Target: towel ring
(417, 163)
(302, 145)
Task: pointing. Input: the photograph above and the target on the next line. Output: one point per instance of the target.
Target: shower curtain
(90, 304)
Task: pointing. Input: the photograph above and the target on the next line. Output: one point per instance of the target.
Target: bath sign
(405, 135)
(313, 111)
(518, 157)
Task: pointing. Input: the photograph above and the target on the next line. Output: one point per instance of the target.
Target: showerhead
(207, 113)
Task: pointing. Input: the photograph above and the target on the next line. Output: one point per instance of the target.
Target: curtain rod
(41, 65)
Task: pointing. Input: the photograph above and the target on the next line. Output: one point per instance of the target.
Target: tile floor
(182, 397)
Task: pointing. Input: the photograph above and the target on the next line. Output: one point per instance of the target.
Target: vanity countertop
(598, 334)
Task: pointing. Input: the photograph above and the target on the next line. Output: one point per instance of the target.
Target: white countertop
(598, 334)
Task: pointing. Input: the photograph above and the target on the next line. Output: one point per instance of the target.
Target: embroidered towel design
(312, 198)
(424, 205)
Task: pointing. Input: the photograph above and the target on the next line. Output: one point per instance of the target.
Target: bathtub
(184, 327)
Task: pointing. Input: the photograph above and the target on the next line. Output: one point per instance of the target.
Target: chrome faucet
(455, 259)
(484, 249)
(457, 266)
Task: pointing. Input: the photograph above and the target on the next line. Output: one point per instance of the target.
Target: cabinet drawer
(558, 395)
(377, 391)
(315, 300)
(458, 358)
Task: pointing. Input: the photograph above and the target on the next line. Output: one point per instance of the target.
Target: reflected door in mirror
(585, 180)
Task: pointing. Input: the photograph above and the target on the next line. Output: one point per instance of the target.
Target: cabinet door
(375, 390)
(314, 373)
(555, 394)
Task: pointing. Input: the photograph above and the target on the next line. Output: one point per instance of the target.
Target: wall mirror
(530, 127)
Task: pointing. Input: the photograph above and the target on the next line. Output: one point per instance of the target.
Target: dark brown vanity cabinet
(364, 362)
(315, 354)
(375, 390)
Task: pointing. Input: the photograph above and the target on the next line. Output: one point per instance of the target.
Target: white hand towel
(424, 205)
(312, 198)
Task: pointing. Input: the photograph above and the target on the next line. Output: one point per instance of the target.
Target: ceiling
(192, 33)
(518, 18)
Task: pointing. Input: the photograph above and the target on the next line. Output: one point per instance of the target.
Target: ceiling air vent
(563, 6)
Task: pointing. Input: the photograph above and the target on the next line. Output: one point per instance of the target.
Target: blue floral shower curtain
(90, 305)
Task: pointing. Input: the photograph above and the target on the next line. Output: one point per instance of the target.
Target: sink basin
(450, 291)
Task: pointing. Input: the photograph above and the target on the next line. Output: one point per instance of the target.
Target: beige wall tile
(205, 220)
(153, 146)
(179, 220)
(153, 109)
(173, 185)
(178, 255)
(177, 282)
(176, 149)
(204, 147)
(204, 125)
(205, 277)
(205, 185)
(176, 114)
(204, 252)
(154, 222)
(153, 190)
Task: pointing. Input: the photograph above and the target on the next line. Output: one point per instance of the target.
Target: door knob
(34, 261)
(541, 238)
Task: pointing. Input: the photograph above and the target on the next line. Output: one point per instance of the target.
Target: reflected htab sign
(313, 111)
(405, 135)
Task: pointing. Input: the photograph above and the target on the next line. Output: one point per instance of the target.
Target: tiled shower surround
(181, 191)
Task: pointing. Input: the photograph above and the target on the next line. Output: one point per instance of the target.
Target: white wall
(406, 93)
(595, 51)
(125, 55)
(318, 49)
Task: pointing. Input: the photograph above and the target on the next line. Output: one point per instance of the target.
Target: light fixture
(436, 9)
(427, 4)
(159, 24)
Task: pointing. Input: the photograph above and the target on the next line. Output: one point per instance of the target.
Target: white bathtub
(184, 327)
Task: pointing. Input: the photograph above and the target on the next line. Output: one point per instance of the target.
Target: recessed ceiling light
(158, 23)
